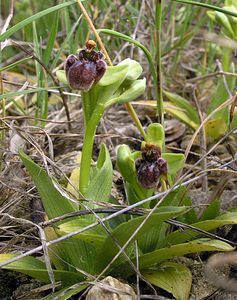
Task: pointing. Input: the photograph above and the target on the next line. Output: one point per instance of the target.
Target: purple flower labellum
(148, 174)
(150, 167)
(85, 69)
(162, 165)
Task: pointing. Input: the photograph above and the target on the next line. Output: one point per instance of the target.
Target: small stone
(106, 290)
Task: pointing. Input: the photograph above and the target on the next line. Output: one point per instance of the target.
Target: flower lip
(150, 166)
(85, 69)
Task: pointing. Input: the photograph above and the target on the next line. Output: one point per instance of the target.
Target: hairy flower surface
(85, 69)
(150, 167)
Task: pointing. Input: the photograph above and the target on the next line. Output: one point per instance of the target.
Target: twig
(224, 79)
(198, 78)
(9, 17)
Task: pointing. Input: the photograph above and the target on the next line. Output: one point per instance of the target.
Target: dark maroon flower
(148, 174)
(86, 69)
(162, 165)
(150, 167)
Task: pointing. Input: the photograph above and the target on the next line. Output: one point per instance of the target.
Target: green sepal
(125, 163)
(134, 70)
(156, 135)
(175, 162)
(132, 91)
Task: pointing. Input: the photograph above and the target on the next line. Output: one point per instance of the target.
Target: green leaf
(211, 211)
(55, 204)
(185, 105)
(215, 128)
(181, 197)
(29, 20)
(173, 277)
(199, 245)
(208, 6)
(94, 236)
(100, 186)
(175, 162)
(180, 114)
(154, 238)
(155, 134)
(37, 269)
(73, 251)
(212, 15)
(158, 256)
(124, 231)
(177, 237)
(221, 94)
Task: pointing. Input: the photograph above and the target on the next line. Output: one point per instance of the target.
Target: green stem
(160, 105)
(136, 120)
(87, 148)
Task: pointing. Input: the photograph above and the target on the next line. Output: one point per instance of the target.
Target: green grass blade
(29, 20)
(29, 91)
(52, 38)
(15, 63)
(65, 42)
(39, 74)
(208, 6)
